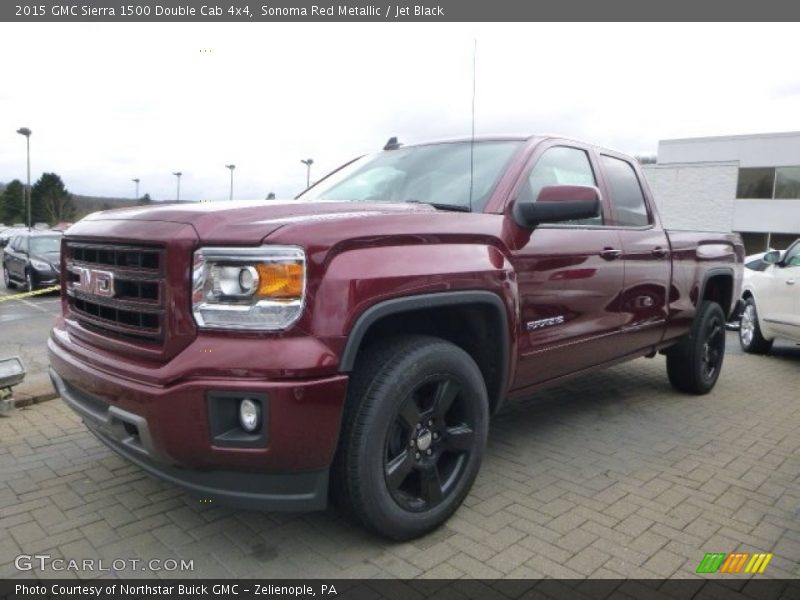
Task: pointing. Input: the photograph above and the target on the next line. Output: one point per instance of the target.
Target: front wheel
(693, 366)
(413, 435)
(10, 285)
(750, 336)
(29, 285)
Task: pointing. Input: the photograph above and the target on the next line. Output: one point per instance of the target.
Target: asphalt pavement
(24, 326)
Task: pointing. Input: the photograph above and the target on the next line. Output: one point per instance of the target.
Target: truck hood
(251, 221)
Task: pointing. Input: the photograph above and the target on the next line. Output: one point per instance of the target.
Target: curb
(35, 399)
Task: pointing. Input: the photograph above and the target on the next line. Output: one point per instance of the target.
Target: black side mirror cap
(558, 203)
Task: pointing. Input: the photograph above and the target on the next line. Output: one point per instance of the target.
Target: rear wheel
(750, 336)
(413, 435)
(694, 365)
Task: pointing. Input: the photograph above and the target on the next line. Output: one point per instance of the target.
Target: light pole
(231, 167)
(136, 181)
(308, 162)
(27, 133)
(178, 175)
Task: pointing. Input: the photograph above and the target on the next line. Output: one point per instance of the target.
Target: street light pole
(308, 162)
(231, 167)
(27, 133)
(178, 175)
(136, 181)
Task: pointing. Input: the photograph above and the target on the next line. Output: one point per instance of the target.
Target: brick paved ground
(614, 475)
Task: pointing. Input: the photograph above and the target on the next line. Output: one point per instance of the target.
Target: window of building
(787, 182)
(756, 183)
(626, 193)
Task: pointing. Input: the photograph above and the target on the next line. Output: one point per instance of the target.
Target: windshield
(437, 174)
(45, 244)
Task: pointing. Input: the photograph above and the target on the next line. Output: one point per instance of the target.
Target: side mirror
(557, 203)
(772, 257)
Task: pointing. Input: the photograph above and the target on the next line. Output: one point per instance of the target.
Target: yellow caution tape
(29, 294)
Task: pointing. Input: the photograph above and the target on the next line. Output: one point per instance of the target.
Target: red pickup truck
(362, 334)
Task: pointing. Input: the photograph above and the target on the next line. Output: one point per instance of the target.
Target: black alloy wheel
(413, 434)
(429, 444)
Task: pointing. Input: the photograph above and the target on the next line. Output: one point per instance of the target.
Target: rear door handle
(610, 253)
(659, 252)
(790, 282)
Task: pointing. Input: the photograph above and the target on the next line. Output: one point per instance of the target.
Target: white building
(744, 183)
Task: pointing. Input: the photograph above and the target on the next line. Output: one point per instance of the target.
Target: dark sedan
(32, 259)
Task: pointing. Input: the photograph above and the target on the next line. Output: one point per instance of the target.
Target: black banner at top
(207, 11)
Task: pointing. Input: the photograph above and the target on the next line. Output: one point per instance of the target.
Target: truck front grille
(117, 290)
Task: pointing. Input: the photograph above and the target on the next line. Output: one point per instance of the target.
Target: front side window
(792, 259)
(459, 175)
(626, 193)
(560, 165)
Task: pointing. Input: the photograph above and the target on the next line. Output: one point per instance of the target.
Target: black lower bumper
(304, 491)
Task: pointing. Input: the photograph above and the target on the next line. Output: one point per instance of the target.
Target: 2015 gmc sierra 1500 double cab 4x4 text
(363, 333)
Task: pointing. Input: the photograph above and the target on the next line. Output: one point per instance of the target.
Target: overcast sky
(108, 102)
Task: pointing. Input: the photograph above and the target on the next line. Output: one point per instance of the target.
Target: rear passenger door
(643, 300)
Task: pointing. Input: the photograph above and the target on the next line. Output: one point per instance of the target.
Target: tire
(29, 285)
(417, 409)
(750, 337)
(694, 365)
(10, 285)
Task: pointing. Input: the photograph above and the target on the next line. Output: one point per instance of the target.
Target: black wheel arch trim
(715, 272)
(434, 300)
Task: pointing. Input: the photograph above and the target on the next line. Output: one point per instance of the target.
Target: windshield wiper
(441, 206)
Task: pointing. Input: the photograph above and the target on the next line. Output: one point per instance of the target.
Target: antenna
(472, 136)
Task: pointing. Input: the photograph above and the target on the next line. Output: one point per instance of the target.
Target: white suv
(771, 300)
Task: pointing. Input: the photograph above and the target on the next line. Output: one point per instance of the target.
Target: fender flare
(716, 271)
(435, 300)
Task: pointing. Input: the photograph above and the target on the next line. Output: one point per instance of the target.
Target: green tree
(13, 203)
(145, 199)
(50, 200)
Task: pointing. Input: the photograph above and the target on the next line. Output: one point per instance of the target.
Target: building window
(787, 182)
(756, 183)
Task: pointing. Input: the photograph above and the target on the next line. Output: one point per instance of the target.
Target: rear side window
(626, 192)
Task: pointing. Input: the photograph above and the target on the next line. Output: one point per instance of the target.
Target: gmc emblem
(94, 281)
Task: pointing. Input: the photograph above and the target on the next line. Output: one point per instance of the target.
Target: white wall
(698, 196)
(761, 150)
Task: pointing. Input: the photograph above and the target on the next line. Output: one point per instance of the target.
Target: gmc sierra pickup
(362, 334)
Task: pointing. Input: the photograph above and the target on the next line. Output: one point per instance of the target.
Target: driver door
(569, 277)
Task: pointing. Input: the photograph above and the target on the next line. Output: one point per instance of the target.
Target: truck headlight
(259, 288)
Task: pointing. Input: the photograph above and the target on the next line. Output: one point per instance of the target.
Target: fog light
(249, 415)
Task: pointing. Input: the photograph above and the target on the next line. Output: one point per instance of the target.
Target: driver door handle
(659, 252)
(790, 282)
(610, 253)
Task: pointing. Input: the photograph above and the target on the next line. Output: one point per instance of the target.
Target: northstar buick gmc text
(359, 337)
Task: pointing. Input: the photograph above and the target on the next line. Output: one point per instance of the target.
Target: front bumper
(256, 491)
(45, 277)
(166, 428)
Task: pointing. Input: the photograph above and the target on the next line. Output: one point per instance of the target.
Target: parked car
(363, 334)
(771, 301)
(8, 233)
(32, 259)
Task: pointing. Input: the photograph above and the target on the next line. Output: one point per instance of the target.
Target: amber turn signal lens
(280, 280)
